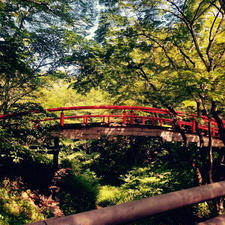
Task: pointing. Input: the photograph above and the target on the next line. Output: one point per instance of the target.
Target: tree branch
(196, 12)
(198, 48)
(189, 25)
(163, 48)
(211, 4)
(220, 57)
(212, 39)
(179, 10)
(183, 53)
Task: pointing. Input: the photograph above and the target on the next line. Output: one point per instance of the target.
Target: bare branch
(212, 26)
(174, 14)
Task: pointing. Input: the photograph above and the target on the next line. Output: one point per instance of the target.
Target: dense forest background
(158, 53)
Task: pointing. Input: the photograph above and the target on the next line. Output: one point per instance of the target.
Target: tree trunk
(210, 150)
(219, 122)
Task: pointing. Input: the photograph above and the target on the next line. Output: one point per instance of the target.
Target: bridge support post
(131, 117)
(161, 123)
(62, 117)
(153, 122)
(86, 122)
(193, 126)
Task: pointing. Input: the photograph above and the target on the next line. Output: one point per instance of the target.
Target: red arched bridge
(90, 122)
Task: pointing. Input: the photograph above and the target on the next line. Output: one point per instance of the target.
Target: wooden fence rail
(132, 211)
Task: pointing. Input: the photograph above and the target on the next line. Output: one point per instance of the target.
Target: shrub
(17, 205)
(108, 195)
(75, 191)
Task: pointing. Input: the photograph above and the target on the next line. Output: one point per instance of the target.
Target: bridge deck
(95, 131)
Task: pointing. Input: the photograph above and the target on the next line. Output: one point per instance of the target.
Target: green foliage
(114, 157)
(17, 131)
(33, 43)
(167, 54)
(155, 179)
(142, 182)
(78, 161)
(77, 193)
(17, 205)
(58, 93)
(162, 53)
(202, 210)
(108, 195)
(77, 185)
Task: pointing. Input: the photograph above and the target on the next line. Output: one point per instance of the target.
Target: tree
(174, 52)
(33, 45)
(33, 42)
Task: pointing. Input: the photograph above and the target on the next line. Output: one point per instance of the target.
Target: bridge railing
(154, 117)
(129, 115)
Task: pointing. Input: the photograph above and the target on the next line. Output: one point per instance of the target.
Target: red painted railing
(131, 115)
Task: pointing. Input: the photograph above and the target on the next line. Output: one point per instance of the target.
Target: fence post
(62, 119)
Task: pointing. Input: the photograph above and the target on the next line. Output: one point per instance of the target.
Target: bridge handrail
(77, 108)
(132, 117)
(116, 107)
(131, 108)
